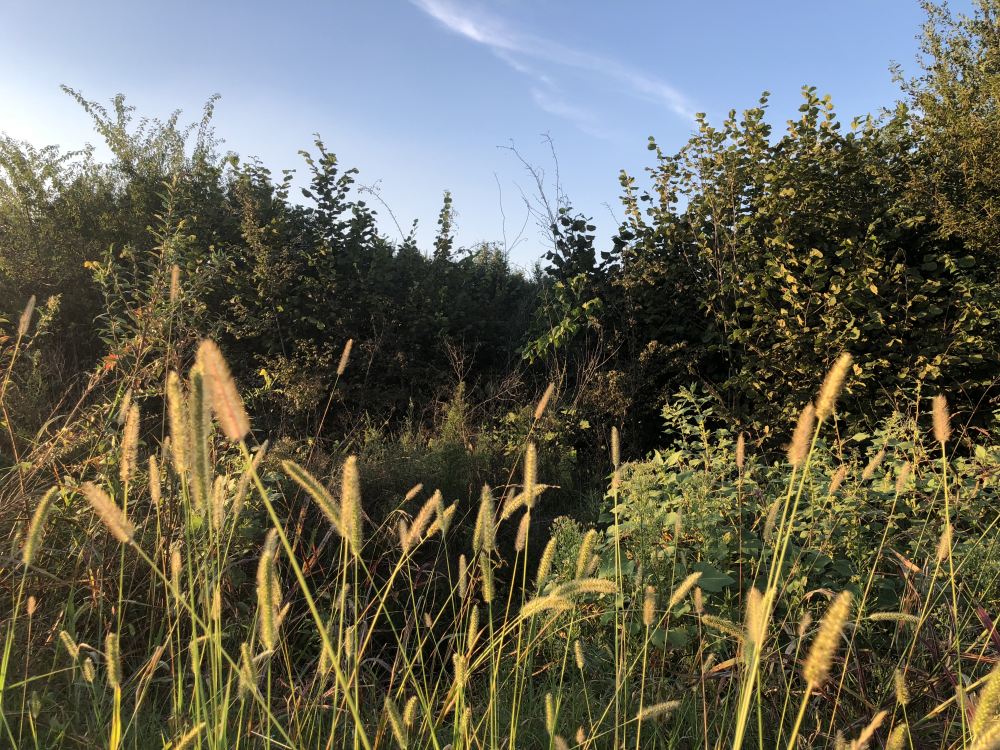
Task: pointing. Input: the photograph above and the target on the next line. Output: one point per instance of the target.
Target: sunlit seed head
(831, 628)
(740, 451)
(802, 437)
(903, 476)
(656, 711)
(544, 402)
(827, 400)
(225, 399)
(545, 564)
(350, 505)
(681, 591)
(988, 706)
(550, 713)
(699, 606)
(586, 550)
(522, 532)
(463, 577)
(71, 647)
(130, 443)
(345, 357)
(88, 670)
(616, 455)
(581, 662)
(944, 543)
(897, 738)
(175, 283)
(112, 516)
(37, 525)
(804, 624)
(942, 420)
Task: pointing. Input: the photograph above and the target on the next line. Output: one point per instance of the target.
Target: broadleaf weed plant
(165, 592)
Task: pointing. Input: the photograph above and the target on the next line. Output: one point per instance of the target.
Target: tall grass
(175, 591)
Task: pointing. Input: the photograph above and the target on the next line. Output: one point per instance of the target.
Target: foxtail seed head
(72, 649)
(350, 505)
(988, 707)
(226, 401)
(872, 465)
(838, 479)
(942, 420)
(109, 513)
(901, 688)
(130, 443)
(757, 614)
(522, 532)
(657, 710)
(944, 543)
(244, 486)
(897, 738)
(247, 672)
(550, 713)
(88, 670)
(268, 592)
(586, 550)
(154, 480)
(113, 657)
(545, 564)
(649, 607)
(741, 448)
(487, 566)
(463, 577)
(802, 437)
(686, 585)
(410, 711)
(175, 283)
(903, 476)
(345, 357)
(314, 489)
(396, 721)
(540, 409)
(869, 731)
(581, 661)
(37, 525)
(485, 531)
(831, 627)
(616, 456)
(25, 321)
(827, 400)
(180, 433)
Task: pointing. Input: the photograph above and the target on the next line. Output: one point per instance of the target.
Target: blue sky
(422, 95)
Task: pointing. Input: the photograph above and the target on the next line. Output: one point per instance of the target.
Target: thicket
(751, 264)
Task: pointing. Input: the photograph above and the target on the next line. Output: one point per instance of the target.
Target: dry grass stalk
(25, 321)
(686, 585)
(37, 525)
(826, 402)
(831, 628)
(540, 409)
(109, 513)
(802, 437)
(942, 420)
(226, 401)
(130, 444)
(345, 357)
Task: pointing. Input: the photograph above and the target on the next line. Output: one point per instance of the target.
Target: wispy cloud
(516, 47)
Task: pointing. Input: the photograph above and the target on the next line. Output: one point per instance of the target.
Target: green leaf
(712, 579)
